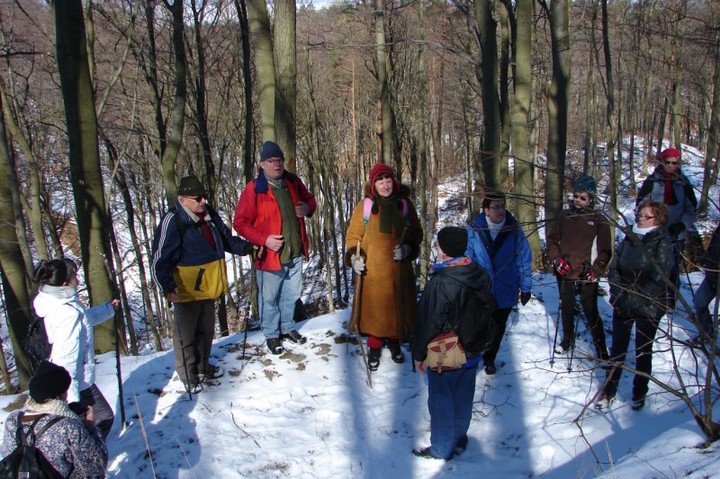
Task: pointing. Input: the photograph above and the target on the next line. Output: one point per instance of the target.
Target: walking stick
(557, 321)
(354, 325)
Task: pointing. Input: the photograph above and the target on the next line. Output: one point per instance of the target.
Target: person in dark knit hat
(457, 297)
(382, 242)
(668, 184)
(497, 242)
(73, 445)
(271, 213)
(189, 268)
(580, 247)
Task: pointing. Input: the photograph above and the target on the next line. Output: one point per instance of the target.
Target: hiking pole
(354, 324)
(557, 320)
(572, 344)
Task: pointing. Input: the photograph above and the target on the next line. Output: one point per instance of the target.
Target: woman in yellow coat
(386, 228)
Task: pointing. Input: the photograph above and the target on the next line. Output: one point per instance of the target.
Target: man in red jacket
(271, 212)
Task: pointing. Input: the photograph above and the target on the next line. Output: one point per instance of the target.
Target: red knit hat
(379, 169)
(669, 153)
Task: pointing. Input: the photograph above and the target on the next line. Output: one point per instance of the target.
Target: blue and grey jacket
(184, 259)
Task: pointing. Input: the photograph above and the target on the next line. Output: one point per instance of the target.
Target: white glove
(358, 264)
(401, 252)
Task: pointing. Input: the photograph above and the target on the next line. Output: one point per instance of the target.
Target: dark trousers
(192, 338)
(588, 299)
(645, 329)
(499, 321)
(104, 415)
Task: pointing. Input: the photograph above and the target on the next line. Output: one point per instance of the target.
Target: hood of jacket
(50, 297)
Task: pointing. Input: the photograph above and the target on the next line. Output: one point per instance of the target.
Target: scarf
(56, 407)
(495, 228)
(391, 217)
(668, 191)
(453, 262)
(643, 231)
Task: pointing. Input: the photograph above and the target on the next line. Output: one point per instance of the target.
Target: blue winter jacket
(507, 259)
(184, 259)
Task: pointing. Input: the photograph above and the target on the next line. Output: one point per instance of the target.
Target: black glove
(524, 297)
(676, 228)
(79, 409)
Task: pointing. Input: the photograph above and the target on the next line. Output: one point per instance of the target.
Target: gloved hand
(524, 297)
(358, 264)
(401, 252)
(590, 275)
(676, 228)
(562, 268)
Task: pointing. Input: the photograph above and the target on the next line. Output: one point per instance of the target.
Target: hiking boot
(295, 337)
(637, 403)
(396, 351)
(565, 345)
(274, 345)
(490, 368)
(374, 358)
(427, 453)
(460, 445)
(604, 402)
(212, 372)
(192, 387)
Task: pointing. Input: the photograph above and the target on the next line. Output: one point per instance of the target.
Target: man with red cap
(669, 185)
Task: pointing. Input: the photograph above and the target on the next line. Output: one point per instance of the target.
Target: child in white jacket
(69, 325)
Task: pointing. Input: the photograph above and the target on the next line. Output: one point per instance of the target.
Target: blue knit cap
(586, 183)
(269, 150)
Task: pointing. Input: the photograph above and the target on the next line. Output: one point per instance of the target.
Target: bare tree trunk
(713, 145)
(558, 99)
(286, 69)
(85, 171)
(262, 45)
(381, 70)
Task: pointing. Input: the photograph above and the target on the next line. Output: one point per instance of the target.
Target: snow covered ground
(310, 413)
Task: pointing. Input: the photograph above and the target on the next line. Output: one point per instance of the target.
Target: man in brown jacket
(579, 246)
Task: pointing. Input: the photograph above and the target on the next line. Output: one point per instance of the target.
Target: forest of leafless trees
(106, 104)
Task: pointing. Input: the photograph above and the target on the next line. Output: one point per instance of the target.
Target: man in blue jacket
(497, 243)
(189, 267)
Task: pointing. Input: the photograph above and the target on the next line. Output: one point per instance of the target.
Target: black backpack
(36, 344)
(26, 461)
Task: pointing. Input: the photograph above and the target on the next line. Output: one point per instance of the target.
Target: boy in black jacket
(457, 298)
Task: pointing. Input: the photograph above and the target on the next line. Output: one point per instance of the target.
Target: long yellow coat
(388, 297)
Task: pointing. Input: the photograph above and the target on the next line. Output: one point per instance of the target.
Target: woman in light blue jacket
(497, 242)
(70, 329)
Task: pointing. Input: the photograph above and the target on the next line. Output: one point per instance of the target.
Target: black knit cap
(269, 150)
(191, 186)
(49, 381)
(453, 241)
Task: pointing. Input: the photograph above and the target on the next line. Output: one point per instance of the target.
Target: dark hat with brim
(191, 186)
(48, 382)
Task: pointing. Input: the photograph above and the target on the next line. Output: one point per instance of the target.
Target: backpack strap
(368, 204)
(31, 437)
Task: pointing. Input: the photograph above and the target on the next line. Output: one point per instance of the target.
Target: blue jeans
(703, 297)
(450, 400)
(279, 291)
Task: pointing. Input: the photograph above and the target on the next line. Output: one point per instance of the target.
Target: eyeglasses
(672, 162)
(580, 197)
(198, 199)
(274, 160)
(643, 217)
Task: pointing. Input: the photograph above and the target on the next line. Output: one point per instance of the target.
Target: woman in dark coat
(639, 275)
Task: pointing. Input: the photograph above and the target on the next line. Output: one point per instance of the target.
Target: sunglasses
(643, 217)
(672, 162)
(200, 198)
(581, 197)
